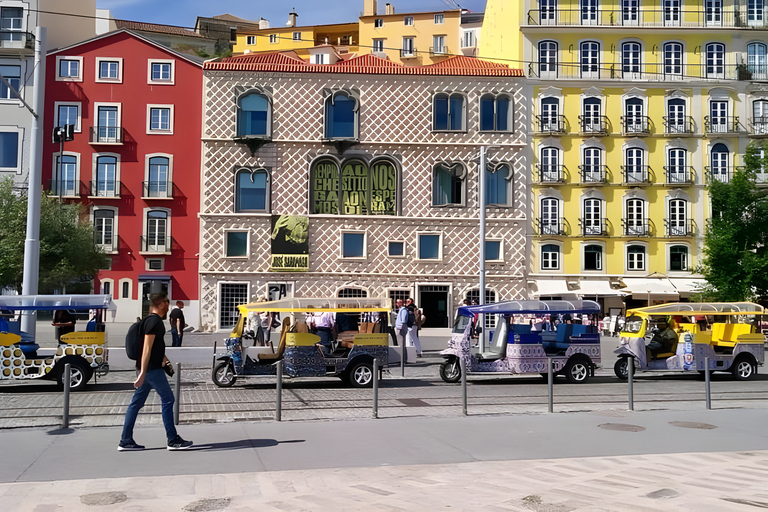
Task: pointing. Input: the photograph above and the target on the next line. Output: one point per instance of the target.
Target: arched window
(106, 175)
(254, 113)
(756, 60)
(104, 229)
(630, 59)
(634, 120)
(550, 115)
(341, 110)
(635, 258)
(719, 168)
(366, 188)
(498, 185)
(590, 59)
(634, 168)
(678, 258)
(158, 182)
(66, 183)
(715, 60)
(448, 185)
(592, 119)
(678, 218)
(635, 224)
(592, 170)
(593, 222)
(449, 112)
(548, 58)
(157, 231)
(760, 117)
(352, 293)
(673, 61)
(550, 257)
(495, 113)
(549, 219)
(549, 167)
(593, 257)
(676, 121)
(252, 190)
(677, 170)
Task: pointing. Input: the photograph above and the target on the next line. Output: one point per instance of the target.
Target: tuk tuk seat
(727, 334)
(269, 358)
(499, 347)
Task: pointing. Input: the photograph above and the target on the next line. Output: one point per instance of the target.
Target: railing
(678, 227)
(551, 173)
(593, 173)
(593, 227)
(104, 188)
(593, 125)
(157, 189)
(108, 248)
(551, 227)
(636, 227)
(645, 72)
(737, 17)
(678, 125)
(16, 39)
(679, 174)
(722, 173)
(159, 245)
(636, 174)
(64, 188)
(550, 125)
(758, 126)
(636, 125)
(106, 135)
(723, 124)
(439, 50)
(408, 54)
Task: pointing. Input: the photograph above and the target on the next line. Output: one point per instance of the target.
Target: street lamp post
(481, 200)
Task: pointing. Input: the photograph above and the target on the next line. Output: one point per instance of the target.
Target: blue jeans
(154, 379)
(325, 340)
(176, 337)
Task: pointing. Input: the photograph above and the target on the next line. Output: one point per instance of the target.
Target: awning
(591, 288)
(688, 285)
(642, 287)
(551, 288)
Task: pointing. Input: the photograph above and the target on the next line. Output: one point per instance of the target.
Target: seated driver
(663, 340)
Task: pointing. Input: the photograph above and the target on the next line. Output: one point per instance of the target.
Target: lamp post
(481, 201)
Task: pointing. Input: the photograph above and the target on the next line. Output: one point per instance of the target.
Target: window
(341, 111)
(273, 39)
(550, 118)
(106, 176)
(448, 185)
(592, 169)
(103, 229)
(429, 247)
(368, 188)
(635, 224)
(760, 117)
(498, 185)
(714, 12)
(635, 258)
(297, 36)
(678, 258)
(718, 117)
(548, 11)
(550, 216)
(378, 22)
(353, 245)
(677, 217)
(351, 293)
(550, 164)
(322, 58)
(395, 249)
(448, 112)
(677, 171)
(254, 115)
(69, 67)
(495, 113)
(634, 168)
(161, 72)
(590, 59)
(439, 19)
(719, 163)
(715, 60)
(493, 250)
(593, 219)
(250, 40)
(68, 114)
(12, 75)
(634, 121)
(408, 21)
(160, 119)
(588, 12)
(469, 39)
(671, 11)
(438, 45)
(155, 264)
(109, 70)
(550, 257)
(756, 60)
(673, 61)
(236, 244)
(630, 59)
(251, 190)
(592, 120)
(755, 12)
(106, 287)
(125, 293)
(593, 257)
(65, 184)
(158, 178)
(676, 118)
(548, 58)
(9, 151)
(11, 23)
(157, 230)
(231, 295)
(408, 47)
(630, 10)
(378, 45)
(108, 127)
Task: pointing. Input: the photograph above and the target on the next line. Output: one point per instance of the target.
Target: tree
(68, 255)
(735, 259)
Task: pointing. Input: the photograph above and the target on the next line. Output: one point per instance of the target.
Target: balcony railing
(106, 135)
(439, 50)
(724, 124)
(646, 72)
(156, 244)
(636, 227)
(593, 227)
(679, 174)
(106, 188)
(730, 17)
(593, 125)
(636, 125)
(678, 227)
(556, 226)
(722, 174)
(409, 54)
(593, 173)
(548, 173)
(758, 126)
(64, 188)
(107, 247)
(551, 125)
(678, 125)
(15, 39)
(636, 174)
(156, 190)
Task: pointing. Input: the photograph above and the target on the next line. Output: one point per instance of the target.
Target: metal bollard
(550, 384)
(177, 394)
(707, 383)
(67, 380)
(279, 393)
(375, 388)
(631, 382)
(402, 360)
(463, 367)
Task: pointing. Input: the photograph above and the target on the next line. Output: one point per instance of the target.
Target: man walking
(151, 366)
(177, 324)
(413, 325)
(401, 323)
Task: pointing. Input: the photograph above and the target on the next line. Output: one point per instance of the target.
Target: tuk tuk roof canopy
(700, 308)
(55, 302)
(533, 307)
(346, 305)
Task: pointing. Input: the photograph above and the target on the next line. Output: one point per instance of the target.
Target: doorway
(150, 287)
(433, 301)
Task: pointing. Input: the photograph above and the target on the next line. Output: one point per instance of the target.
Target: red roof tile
(140, 26)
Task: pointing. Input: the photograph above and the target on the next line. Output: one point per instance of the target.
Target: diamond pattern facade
(395, 119)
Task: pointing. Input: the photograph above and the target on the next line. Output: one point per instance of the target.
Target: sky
(311, 12)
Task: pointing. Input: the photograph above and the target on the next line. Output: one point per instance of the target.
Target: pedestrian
(324, 323)
(177, 324)
(65, 321)
(151, 366)
(401, 322)
(265, 321)
(413, 330)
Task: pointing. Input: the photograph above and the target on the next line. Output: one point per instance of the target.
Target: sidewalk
(699, 460)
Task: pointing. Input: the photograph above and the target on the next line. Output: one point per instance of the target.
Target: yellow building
(637, 105)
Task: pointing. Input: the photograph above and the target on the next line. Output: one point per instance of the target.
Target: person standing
(323, 322)
(65, 321)
(401, 323)
(151, 369)
(177, 324)
(413, 326)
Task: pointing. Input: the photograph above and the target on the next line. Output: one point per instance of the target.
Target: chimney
(390, 9)
(292, 18)
(369, 8)
(263, 24)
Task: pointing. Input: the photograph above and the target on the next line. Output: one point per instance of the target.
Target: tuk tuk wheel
(577, 370)
(80, 373)
(743, 368)
(450, 370)
(361, 375)
(223, 374)
(621, 368)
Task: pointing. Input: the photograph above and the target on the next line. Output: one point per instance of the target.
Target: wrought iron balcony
(156, 190)
(758, 126)
(631, 16)
(110, 247)
(593, 227)
(724, 124)
(636, 227)
(636, 125)
(593, 125)
(678, 125)
(15, 41)
(156, 244)
(106, 135)
(593, 174)
(646, 72)
(551, 125)
(409, 54)
(679, 227)
(439, 50)
(722, 174)
(557, 226)
(637, 174)
(105, 188)
(552, 174)
(679, 174)
(65, 188)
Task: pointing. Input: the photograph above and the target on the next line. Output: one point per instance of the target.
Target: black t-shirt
(176, 315)
(153, 324)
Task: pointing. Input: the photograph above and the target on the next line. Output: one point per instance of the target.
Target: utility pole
(34, 187)
(481, 188)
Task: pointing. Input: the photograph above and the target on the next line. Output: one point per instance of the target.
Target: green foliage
(736, 261)
(68, 255)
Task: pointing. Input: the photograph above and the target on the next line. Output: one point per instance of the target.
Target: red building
(134, 162)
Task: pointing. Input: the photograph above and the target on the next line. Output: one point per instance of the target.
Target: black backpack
(134, 340)
(411, 318)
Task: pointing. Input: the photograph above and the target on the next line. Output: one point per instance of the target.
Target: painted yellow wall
(310, 36)
(501, 37)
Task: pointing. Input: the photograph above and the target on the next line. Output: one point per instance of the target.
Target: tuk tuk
(679, 336)
(85, 351)
(523, 340)
(350, 356)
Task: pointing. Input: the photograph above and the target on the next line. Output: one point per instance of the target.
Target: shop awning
(551, 288)
(688, 286)
(642, 287)
(591, 288)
